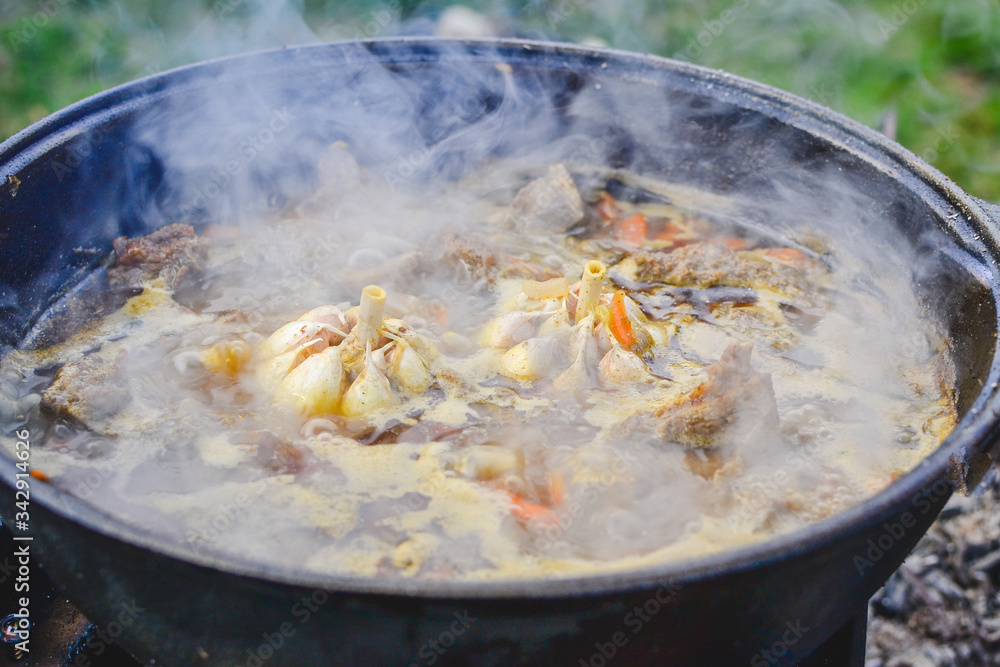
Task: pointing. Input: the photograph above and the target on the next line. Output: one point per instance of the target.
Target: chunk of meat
(280, 457)
(734, 406)
(88, 391)
(706, 264)
(551, 203)
(483, 260)
(170, 252)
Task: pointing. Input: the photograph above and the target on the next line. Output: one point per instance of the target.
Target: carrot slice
(632, 230)
(736, 243)
(39, 475)
(525, 510)
(670, 232)
(684, 230)
(786, 254)
(620, 325)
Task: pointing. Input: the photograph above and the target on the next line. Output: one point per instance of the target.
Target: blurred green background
(927, 71)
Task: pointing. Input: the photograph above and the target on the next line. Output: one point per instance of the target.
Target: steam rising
(365, 163)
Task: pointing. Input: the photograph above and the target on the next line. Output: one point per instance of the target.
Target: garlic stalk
(590, 288)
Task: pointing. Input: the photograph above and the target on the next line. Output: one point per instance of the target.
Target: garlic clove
(580, 375)
(327, 314)
(605, 339)
(457, 344)
(351, 316)
(291, 336)
(273, 370)
(333, 321)
(512, 328)
(530, 360)
(424, 346)
(558, 321)
(370, 391)
(408, 370)
(315, 386)
(621, 367)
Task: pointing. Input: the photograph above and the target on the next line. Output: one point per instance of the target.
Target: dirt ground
(941, 607)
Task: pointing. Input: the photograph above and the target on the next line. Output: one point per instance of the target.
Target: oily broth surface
(483, 475)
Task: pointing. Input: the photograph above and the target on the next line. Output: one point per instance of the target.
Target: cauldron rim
(976, 431)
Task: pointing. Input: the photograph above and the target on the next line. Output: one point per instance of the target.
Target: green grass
(934, 63)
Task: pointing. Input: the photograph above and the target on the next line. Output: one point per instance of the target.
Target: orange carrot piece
(685, 230)
(607, 208)
(786, 254)
(558, 487)
(525, 510)
(620, 325)
(39, 475)
(632, 230)
(670, 231)
(736, 243)
(678, 234)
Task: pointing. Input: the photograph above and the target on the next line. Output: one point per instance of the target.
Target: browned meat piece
(170, 252)
(735, 405)
(704, 461)
(550, 203)
(485, 261)
(281, 457)
(694, 265)
(88, 391)
(480, 258)
(706, 264)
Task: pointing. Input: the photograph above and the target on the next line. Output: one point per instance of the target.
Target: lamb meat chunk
(694, 265)
(88, 391)
(704, 461)
(483, 260)
(706, 264)
(551, 203)
(170, 252)
(734, 406)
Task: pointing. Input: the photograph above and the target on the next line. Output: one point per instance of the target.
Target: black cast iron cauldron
(118, 163)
